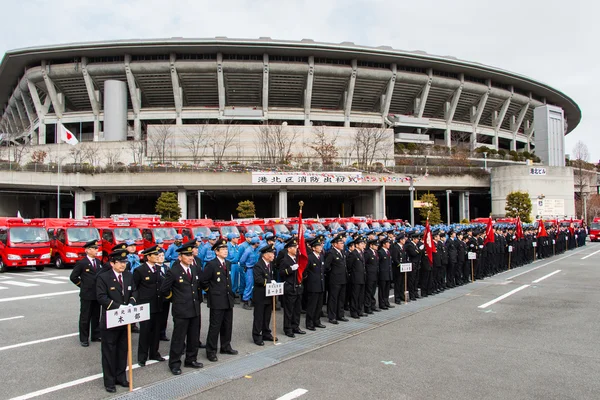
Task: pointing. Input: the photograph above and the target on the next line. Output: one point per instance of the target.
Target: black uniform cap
(219, 244)
(151, 250)
(91, 243)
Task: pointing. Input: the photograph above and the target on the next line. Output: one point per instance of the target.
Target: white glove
(273, 281)
(294, 267)
(421, 247)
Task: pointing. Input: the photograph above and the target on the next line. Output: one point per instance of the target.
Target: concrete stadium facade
(424, 98)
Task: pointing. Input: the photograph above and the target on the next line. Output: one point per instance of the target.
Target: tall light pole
(200, 203)
(411, 189)
(485, 160)
(448, 192)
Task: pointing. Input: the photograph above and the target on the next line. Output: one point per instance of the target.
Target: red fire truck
(595, 230)
(23, 243)
(67, 237)
(113, 233)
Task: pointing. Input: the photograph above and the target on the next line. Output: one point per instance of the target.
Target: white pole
(58, 161)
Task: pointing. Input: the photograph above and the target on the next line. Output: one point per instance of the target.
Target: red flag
(572, 227)
(302, 255)
(429, 245)
(489, 232)
(519, 232)
(541, 229)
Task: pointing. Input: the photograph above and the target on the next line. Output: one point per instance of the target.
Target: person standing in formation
(263, 274)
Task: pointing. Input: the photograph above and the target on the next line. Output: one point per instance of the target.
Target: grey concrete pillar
(115, 111)
(182, 200)
(42, 133)
(463, 205)
(81, 198)
(199, 209)
(105, 201)
(282, 205)
(379, 203)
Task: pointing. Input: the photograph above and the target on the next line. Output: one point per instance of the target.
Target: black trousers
(357, 302)
(413, 282)
(149, 338)
(370, 288)
(164, 317)
(425, 281)
(186, 332)
(114, 355)
(314, 306)
(89, 314)
(262, 320)
(398, 285)
(383, 292)
(291, 312)
(220, 326)
(335, 301)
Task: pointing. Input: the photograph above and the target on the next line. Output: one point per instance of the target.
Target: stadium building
(214, 102)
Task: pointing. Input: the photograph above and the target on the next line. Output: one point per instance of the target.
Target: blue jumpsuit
(247, 260)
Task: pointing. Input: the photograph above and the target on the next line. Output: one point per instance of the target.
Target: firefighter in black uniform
(84, 275)
(113, 289)
(314, 284)
(372, 275)
(148, 281)
(263, 274)
(335, 268)
(385, 275)
(356, 270)
(292, 290)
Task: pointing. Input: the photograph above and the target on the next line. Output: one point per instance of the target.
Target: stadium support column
(498, 118)
(81, 197)
(105, 201)
(421, 101)
(136, 99)
(182, 200)
(463, 205)
(221, 84)
(379, 203)
(308, 90)
(56, 98)
(529, 133)
(40, 109)
(177, 91)
(385, 109)
(282, 203)
(265, 88)
(517, 125)
(350, 94)
(450, 109)
(199, 210)
(94, 97)
(477, 112)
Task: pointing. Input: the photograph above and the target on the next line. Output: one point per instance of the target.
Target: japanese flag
(67, 136)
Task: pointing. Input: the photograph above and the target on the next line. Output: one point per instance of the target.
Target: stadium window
(107, 59)
(332, 61)
(445, 74)
(412, 69)
(196, 56)
(372, 64)
(470, 78)
(277, 58)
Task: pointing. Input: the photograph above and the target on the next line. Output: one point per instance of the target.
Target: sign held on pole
(274, 289)
(406, 267)
(126, 315)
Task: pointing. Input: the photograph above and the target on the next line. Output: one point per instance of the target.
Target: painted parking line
(505, 295)
(293, 394)
(546, 276)
(9, 318)
(15, 346)
(18, 283)
(73, 383)
(37, 296)
(543, 265)
(65, 278)
(589, 255)
(49, 281)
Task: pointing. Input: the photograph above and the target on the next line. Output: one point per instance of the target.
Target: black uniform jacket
(385, 265)
(356, 267)
(217, 284)
(335, 267)
(111, 295)
(289, 276)
(315, 277)
(262, 276)
(185, 295)
(84, 276)
(148, 284)
(371, 264)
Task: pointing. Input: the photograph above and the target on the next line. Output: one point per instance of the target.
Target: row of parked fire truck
(37, 243)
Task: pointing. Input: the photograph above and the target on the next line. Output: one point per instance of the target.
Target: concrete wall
(556, 184)
(24, 203)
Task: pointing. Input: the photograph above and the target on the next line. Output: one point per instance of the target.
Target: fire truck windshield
(28, 234)
(122, 234)
(229, 229)
(201, 230)
(82, 234)
(165, 233)
(595, 225)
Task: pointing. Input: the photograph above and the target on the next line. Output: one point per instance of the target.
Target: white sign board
(405, 267)
(126, 315)
(534, 244)
(472, 256)
(550, 207)
(306, 178)
(537, 171)
(510, 250)
(274, 289)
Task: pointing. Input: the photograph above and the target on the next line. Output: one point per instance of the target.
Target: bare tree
(138, 150)
(458, 139)
(275, 142)
(324, 145)
(19, 147)
(91, 154)
(369, 143)
(222, 139)
(196, 141)
(77, 153)
(581, 154)
(112, 157)
(161, 142)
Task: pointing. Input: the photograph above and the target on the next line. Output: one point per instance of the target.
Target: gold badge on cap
(123, 254)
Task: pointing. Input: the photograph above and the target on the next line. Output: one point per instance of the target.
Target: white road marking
(497, 299)
(543, 265)
(293, 394)
(41, 280)
(2, 287)
(73, 383)
(65, 278)
(37, 296)
(39, 273)
(14, 346)
(8, 319)
(17, 283)
(589, 255)
(546, 276)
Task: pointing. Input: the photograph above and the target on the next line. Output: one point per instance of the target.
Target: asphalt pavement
(525, 333)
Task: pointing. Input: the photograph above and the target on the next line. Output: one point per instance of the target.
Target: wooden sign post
(273, 290)
(472, 256)
(406, 268)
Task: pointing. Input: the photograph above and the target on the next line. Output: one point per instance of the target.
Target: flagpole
(58, 139)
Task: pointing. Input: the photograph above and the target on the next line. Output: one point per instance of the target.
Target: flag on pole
(571, 227)
(302, 255)
(519, 231)
(541, 229)
(429, 246)
(489, 232)
(66, 135)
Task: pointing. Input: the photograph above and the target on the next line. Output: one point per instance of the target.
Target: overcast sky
(552, 41)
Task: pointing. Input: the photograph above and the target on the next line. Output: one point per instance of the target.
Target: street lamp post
(448, 193)
(485, 160)
(200, 203)
(411, 188)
